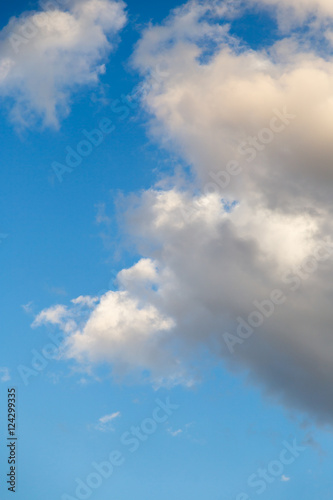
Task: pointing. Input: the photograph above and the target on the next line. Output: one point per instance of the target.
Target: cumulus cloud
(254, 218)
(122, 329)
(46, 55)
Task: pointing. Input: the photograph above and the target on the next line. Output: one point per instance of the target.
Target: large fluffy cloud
(247, 239)
(47, 54)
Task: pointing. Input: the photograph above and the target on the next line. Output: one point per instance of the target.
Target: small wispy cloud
(57, 291)
(108, 418)
(175, 433)
(285, 479)
(4, 375)
(101, 217)
(28, 308)
(104, 423)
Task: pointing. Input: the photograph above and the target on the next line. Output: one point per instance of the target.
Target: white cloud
(4, 375)
(54, 315)
(175, 433)
(104, 423)
(85, 301)
(299, 10)
(285, 479)
(46, 55)
(108, 418)
(201, 272)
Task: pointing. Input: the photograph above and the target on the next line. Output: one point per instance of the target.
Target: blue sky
(155, 330)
